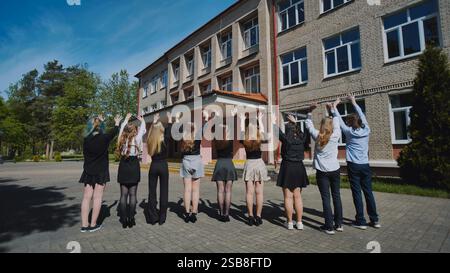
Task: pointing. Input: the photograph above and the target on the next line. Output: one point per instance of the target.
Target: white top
(136, 142)
(326, 159)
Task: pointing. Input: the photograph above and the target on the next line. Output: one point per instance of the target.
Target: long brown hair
(187, 144)
(326, 129)
(252, 144)
(221, 144)
(129, 132)
(354, 121)
(155, 139)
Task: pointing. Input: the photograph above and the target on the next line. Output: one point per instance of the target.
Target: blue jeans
(325, 181)
(360, 176)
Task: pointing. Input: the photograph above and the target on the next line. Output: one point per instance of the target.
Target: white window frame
(392, 110)
(154, 85)
(299, 61)
(163, 79)
(154, 107)
(206, 56)
(176, 73)
(399, 28)
(297, 16)
(224, 45)
(162, 104)
(322, 11)
(190, 65)
(248, 79)
(247, 37)
(225, 82)
(145, 90)
(349, 54)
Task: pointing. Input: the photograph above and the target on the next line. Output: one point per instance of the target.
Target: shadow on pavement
(25, 210)
(105, 212)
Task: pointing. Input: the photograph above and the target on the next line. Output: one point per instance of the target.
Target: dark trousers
(158, 170)
(360, 176)
(327, 181)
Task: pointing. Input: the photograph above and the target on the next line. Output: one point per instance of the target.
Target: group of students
(292, 177)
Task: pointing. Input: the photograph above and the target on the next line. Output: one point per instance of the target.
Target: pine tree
(426, 160)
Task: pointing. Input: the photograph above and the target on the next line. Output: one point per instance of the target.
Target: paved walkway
(39, 212)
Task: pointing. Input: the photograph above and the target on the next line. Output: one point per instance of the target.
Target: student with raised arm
(327, 167)
(95, 169)
(129, 174)
(357, 132)
(255, 170)
(292, 177)
(157, 147)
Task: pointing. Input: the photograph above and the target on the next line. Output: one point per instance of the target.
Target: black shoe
(96, 228)
(187, 217)
(124, 223)
(131, 222)
(226, 218)
(193, 217)
(221, 218)
(162, 219)
(251, 221)
(84, 229)
(258, 221)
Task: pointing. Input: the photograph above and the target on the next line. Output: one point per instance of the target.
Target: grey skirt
(192, 167)
(224, 170)
(255, 170)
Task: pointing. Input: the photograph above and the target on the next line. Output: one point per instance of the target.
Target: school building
(292, 53)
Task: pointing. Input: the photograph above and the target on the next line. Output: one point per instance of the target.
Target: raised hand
(351, 98)
(117, 119)
(169, 116)
(128, 116)
(291, 119)
(336, 102)
(205, 115)
(313, 107)
(155, 118)
(177, 117)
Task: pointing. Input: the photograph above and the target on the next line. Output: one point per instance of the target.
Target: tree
(426, 160)
(75, 107)
(117, 96)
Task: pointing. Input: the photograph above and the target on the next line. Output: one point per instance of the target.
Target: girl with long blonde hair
(129, 147)
(157, 148)
(255, 170)
(327, 168)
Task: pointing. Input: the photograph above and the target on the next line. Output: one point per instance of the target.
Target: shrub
(426, 160)
(58, 157)
(36, 158)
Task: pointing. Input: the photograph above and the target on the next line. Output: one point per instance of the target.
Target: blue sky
(108, 35)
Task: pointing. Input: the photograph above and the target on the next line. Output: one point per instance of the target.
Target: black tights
(224, 196)
(128, 191)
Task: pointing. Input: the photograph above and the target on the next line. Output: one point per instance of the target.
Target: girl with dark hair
(292, 177)
(95, 169)
(129, 174)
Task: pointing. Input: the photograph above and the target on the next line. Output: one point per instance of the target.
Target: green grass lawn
(395, 185)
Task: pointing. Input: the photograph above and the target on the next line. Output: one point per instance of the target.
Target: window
(206, 56)
(226, 45)
(332, 4)
(346, 109)
(227, 83)
(154, 107)
(400, 121)
(406, 33)
(188, 94)
(251, 33)
(154, 85)
(342, 53)
(205, 88)
(164, 79)
(291, 13)
(252, 80)
(145, 92)
(176, 73)
(190, 65)
(145, 110)
(162, 104)
(174, 98)
(294, 68)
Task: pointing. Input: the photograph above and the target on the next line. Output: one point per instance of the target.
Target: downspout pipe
(275, 63)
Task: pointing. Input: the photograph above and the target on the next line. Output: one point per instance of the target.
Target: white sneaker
(375, 224)
(358, 226)
(327, 231)
(289, 225)
(299, 225)
(339, 229)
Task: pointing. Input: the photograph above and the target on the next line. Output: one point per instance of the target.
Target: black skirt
(224, 170)
(292, 175)
(100, 178)
(129, 171)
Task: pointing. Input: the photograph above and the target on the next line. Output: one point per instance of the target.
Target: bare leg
(298, 204)
(195, 194)
(228, 188)
(187, 194)
(288, 203)
(220, 196)
(87, 197)
(98, 198)
(250, 187)
(259, 198)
